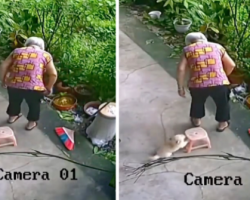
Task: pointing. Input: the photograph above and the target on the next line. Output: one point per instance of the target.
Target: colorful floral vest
(205, 63)
(28, 67)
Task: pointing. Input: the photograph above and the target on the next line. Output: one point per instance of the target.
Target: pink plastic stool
(7, 137)
(195, 135)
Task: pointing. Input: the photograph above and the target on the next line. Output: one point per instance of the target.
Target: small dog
(174, 144)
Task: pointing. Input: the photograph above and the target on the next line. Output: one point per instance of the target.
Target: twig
(42, 24)
(162, 161)
(235, 20)
(58, 21)
(41, 154)
(244, 31)
(235, 10)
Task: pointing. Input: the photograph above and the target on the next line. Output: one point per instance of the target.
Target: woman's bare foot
(222, 126)
(31, 125)
(13, 119)
(196, 122)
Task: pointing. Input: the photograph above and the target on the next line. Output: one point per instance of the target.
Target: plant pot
(60, 88)
(155, 14)
(236, 77)
(64, 102)
(182, 28)
(247, 102)
(83, 92)
(94, 104)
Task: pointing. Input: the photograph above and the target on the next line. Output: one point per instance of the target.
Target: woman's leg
(15, 101)
(33, 99)
(197, 110)
(221, 97)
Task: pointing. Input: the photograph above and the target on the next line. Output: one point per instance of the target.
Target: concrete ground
(151, 110)
(90, 184)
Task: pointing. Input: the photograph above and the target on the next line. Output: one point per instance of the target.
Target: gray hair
(35, 41)
(195, 37)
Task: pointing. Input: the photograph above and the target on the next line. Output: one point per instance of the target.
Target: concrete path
(150, 111)
(90, 184)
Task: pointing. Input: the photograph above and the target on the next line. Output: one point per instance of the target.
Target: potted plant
(236, 77)
(182, 24)
(64, 102)
(93, 104)
(83, 92)
(155, 14)
(61, 87)
(239, 73)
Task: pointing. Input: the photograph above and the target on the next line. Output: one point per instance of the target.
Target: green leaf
(214, 29)
(185, 3)
(112, 182)
(149, 42)
(23, 36)
(96, 149)
(167, 3)
(177, 10)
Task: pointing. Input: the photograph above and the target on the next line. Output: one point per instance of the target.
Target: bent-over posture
(25, 68)
(208, 65)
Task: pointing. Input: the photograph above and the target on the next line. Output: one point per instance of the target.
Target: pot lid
(109, 110)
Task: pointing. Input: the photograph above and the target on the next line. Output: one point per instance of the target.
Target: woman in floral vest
(26, 67)
(209, 66)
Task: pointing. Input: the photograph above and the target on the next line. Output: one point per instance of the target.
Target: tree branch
(244, 31)
(42, 23)
(58, 21)
(234, 17)
(36, 153)
(162, 161)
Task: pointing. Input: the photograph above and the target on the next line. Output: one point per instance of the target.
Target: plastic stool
(194, 135)
(7, 137)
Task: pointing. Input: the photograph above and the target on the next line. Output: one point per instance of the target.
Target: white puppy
(172, 145)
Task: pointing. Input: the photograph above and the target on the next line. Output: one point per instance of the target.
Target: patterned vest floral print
(204, 60)
(28, 69)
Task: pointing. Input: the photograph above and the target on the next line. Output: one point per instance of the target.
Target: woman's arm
(228, 64)
(181, 72)
(5, 66)
(52, 75)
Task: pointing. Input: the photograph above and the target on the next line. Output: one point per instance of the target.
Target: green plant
(180, 19)
(112, 182)
(175, 8)
(80, 35)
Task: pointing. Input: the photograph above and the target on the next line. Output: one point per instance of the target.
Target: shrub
(80, 35)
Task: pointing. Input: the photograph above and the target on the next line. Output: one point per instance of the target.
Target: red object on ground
(249, 131)
(66, 136)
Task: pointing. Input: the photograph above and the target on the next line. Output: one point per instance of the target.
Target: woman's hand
(181, 74)
(181, 92)
(48, 91)
(4, 85)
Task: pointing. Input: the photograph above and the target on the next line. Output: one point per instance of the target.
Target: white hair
(35, 41)
(195, 37)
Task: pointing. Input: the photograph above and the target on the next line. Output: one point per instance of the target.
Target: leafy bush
(222, 21)
(80, 35)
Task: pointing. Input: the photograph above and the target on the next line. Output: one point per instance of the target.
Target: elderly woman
(208, 65)
(25, 68)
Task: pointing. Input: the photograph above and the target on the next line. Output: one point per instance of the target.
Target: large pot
(93, 104)
(60, 88)
(182, 28)
(236, 77)
(83, 92)
(64, 102)
(247, 102)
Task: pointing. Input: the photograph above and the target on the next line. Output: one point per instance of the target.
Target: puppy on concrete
(172, 145)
